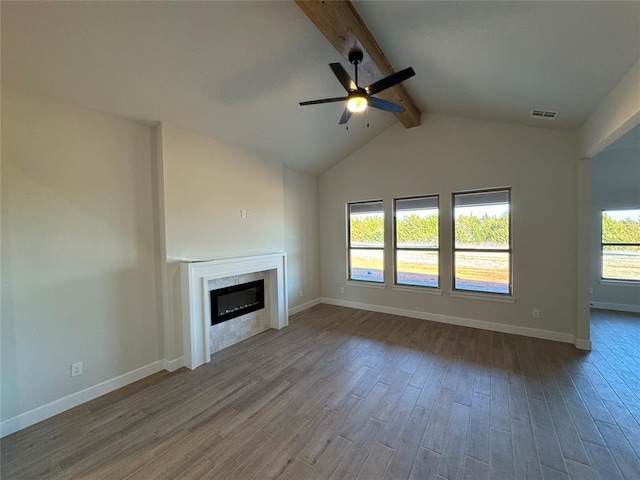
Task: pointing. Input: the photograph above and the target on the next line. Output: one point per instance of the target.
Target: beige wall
(78, 278)
(448, 154)
(301, 217)
(206, 185)
(615, 184)
(93, 208)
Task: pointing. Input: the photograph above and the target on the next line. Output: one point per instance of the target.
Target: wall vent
(543, 114)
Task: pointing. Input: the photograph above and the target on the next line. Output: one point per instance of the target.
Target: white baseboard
(583, 344)
(463, 322)
(173, 365)
(26, 419)
(304, 306)
(620, 307)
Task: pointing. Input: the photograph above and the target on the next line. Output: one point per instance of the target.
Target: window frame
(603, 244)
(455, 250)
(415, 249)
(350, 247)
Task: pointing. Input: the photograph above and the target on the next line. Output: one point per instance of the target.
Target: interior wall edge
(617, 114)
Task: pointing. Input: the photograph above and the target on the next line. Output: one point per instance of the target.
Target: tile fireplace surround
(195, 280)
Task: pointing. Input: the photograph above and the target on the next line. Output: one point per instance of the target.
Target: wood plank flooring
(350, 394)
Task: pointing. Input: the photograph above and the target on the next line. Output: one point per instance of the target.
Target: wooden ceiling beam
(341, 24)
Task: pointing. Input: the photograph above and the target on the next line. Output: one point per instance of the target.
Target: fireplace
(197, 279)
(234, 301)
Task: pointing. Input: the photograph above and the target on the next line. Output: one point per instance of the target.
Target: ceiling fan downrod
(355, 58)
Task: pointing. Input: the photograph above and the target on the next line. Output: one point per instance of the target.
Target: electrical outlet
(76, 369)
(243, 213)
(535, 313)
(341, 289)
(300, 294)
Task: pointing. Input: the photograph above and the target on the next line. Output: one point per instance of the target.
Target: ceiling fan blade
(346, 115)
(343, 77)
(384, 105)
(390, 81)
(324, 100)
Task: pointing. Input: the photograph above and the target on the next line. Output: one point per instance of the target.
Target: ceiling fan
(359, 98)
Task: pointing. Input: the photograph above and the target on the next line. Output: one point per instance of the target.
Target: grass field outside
(488, 273)
(624, 265)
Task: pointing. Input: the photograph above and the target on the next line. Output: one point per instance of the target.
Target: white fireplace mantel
(196, 309)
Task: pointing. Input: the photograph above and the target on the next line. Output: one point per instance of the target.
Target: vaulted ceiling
(235, 71)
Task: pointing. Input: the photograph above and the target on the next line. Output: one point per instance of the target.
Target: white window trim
(350, 248)
(410, 288)
(612, 281)
(491, 297)
(628, 283)
(460, 293)
(366, 284)
(395, 249)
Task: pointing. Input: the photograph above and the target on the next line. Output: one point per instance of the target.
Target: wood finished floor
(349, 394)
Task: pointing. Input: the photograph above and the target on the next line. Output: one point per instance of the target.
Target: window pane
(482, 271)
(417, 222)
(621, 263)
(366, 224)
(621, 226)
(367, 265)
(417, 268)
(478, 225)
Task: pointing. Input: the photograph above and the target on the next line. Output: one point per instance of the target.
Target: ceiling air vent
(543, 114)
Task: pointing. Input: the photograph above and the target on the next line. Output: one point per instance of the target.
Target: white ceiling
(236, 71)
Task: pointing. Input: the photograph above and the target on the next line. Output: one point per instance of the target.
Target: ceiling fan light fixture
(357, 103)
(358, 98)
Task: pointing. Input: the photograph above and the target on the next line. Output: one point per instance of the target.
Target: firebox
(231, 302)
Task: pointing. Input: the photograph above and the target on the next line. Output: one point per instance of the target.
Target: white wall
(448, 154)
(615, 184)
(301, 217)
(78, 279)
(206, 184)
(93, 208)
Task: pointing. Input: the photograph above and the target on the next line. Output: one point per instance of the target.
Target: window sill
(628, 283)
(483, 296)
(426, 290)
(364, 283)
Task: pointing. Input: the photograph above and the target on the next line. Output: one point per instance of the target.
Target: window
(621, 245)
(416, 241)
(366, 241)
(482, 241)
